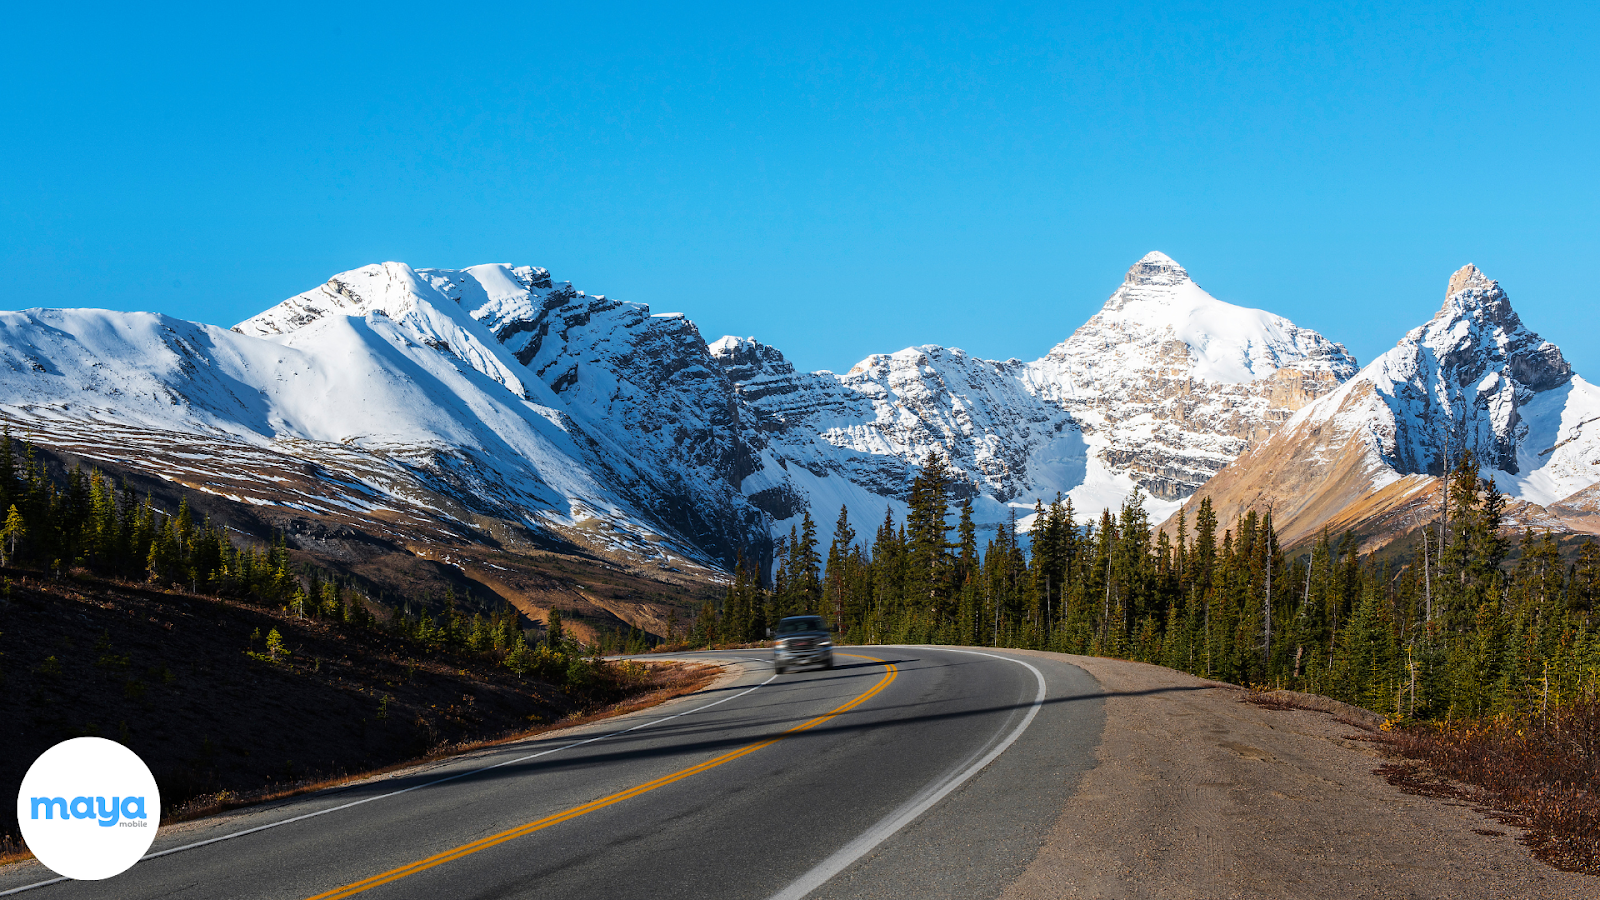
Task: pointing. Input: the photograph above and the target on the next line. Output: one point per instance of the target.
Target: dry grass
(1541, 774)
(12, 850)
(1343, 713)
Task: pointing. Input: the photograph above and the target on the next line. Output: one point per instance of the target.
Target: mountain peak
(746, 358)
(1474, 297)
(1463, 380)
(1468, 277)
(1156, 268)
(1472, 294)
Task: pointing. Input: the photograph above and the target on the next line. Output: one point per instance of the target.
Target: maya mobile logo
(129, 808)
(89, 808)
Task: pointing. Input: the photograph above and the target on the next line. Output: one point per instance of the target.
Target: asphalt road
(911, 772)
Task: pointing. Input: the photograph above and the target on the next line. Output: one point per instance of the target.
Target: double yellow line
(492, 840)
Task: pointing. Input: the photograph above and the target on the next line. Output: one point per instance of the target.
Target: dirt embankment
(1199, 795)
(168, 675)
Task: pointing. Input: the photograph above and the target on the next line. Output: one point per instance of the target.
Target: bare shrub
(1540, 772)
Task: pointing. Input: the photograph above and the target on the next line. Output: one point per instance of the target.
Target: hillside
(257, 497)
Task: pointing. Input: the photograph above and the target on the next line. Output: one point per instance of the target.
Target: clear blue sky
(834, 180)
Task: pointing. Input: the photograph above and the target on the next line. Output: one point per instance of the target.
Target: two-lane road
(903, 772)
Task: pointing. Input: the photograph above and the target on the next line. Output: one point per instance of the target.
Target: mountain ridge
(1368, 456)
(494, 397)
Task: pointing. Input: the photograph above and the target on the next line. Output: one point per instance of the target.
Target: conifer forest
(1454, 634)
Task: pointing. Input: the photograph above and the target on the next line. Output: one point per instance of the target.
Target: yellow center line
(576, 811)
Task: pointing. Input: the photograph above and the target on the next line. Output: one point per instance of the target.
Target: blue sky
(835, 180)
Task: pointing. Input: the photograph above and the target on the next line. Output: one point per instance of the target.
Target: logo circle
(88, 808)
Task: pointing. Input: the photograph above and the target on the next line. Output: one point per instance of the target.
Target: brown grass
(1343, 713)
(1540, 773)
(12, 850)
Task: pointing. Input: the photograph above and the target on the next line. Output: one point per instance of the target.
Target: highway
(905, 772)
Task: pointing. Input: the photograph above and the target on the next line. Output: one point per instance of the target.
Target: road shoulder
(1196, 794)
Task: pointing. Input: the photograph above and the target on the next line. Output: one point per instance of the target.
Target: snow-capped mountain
(646, 411)
(1473, 378)
(490, 399)
(1171, 384)
(1161, 388)
(859, 439)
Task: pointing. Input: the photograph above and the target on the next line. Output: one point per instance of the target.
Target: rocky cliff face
(1460, 382)
(859, 439)
(1473, 378)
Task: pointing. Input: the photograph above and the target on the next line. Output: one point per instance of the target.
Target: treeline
(1453, 634)
(89, 522)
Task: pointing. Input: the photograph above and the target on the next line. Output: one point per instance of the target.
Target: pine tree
(805, 568)
(836, 595)
(706, 628)
(9, 487)
(928, 548)
(275, 645)
(554, 635)
(15, 530)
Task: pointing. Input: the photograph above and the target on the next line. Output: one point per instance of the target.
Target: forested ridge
(91, 524)
(1455, 634)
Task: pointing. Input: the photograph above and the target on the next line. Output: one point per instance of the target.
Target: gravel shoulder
(1199, 795)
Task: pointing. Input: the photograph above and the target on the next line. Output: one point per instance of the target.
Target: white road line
(415, 787)
(914, 807)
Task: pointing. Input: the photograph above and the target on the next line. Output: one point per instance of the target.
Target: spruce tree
(555, 635)
(835, 590)
(928, 556)
(805, 568)
(15, 530)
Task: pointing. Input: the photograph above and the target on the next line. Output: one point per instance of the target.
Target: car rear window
(794, 626)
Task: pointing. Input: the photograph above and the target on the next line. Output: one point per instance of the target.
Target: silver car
(801, 641)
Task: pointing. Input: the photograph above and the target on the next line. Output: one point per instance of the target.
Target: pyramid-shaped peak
(1477, 328)
(1474, 295)
(1156, 268)
(1468, 277)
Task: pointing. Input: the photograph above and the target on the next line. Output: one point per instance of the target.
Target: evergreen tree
(928, 568)
(15, 530)
(836, 590)
(805, 568)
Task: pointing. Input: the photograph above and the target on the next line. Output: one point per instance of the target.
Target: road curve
(904, 772)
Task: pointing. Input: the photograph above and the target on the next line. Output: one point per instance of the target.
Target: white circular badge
(89, 808)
